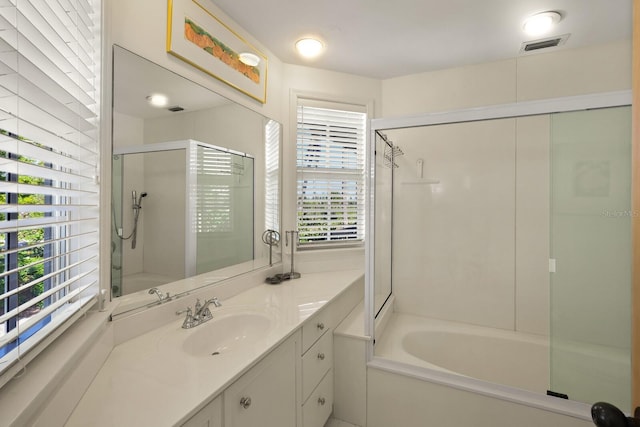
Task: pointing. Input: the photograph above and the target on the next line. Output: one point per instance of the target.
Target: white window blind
(272, 175)
(49, 106)
(330, 170)
(214, 196)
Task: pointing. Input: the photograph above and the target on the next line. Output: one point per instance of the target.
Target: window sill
(24, 397)
(319, 260)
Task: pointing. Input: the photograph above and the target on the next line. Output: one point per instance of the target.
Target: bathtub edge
(569, 408)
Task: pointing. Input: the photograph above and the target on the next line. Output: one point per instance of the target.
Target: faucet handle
(186, 310)
(189, 321)
(198, 306)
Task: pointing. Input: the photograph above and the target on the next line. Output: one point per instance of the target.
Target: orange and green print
(201, 38)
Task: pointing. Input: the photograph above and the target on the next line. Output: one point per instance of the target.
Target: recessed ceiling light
(158, 100)
(249, 59)
(309, 47)
(541, 23)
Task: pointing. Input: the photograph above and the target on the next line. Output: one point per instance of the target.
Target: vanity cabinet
(266, 394)
(209, 416)
(317, 372)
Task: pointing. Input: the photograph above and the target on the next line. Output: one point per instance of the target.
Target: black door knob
(607, 415)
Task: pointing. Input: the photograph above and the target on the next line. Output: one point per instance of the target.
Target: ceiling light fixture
(309, 47)
(249, 59)
(541, 23)
(158, 100)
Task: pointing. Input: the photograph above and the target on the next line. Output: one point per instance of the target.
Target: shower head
(143, 194)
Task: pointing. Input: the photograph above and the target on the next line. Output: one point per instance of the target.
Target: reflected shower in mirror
(177, 173)
(195, 184)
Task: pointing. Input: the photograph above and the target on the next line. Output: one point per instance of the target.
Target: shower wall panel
(470, 236)
(164, 212)
(454, 229)
(532, 224)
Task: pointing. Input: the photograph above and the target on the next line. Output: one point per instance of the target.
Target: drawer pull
(321, 401)
(245, 402)
(321, 326)
(321, 356)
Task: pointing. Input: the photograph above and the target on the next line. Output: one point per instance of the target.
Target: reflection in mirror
(195, 184)
(181, 238)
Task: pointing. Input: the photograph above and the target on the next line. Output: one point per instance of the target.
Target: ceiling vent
(533, 45)
(176, 109)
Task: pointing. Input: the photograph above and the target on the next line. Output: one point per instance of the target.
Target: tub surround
(152, 380)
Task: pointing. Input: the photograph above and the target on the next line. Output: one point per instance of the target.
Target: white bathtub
(498, 356)
(586, 372)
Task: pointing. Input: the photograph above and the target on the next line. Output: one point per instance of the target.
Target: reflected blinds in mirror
(49, 105)
(330, 171)
(272, 171)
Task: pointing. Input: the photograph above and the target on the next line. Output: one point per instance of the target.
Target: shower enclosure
(180, 208)
(502, 242)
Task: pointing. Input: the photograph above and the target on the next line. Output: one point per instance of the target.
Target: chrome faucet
(161, 298)
(202, 310)
(200, 313)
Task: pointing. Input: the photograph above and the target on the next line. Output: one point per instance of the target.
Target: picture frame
(196, 36)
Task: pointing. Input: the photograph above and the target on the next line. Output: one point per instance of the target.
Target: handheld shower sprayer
(137, 201)
(136, 204)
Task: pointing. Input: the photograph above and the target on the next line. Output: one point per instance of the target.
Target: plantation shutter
(330, 171)
(213, 195)
(272, 175)
(49, 106)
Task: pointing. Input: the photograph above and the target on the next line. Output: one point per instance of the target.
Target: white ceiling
(390, 38)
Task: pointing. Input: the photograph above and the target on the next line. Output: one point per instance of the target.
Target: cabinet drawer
(316, 410)
(316, 362)
(313, 329)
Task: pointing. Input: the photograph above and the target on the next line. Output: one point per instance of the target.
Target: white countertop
(150, 380)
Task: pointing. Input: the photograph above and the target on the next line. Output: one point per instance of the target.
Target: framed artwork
(198, 37)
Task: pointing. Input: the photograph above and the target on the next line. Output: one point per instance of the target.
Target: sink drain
(215, 353)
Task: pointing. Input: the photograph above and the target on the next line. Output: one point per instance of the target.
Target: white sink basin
(226, 332)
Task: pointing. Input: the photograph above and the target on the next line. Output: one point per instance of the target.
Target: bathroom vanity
(266, 358)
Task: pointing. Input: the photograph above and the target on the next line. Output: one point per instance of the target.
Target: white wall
(141, 26)
(146, 37)
(566, 72)
(324, 85)
(491, 268)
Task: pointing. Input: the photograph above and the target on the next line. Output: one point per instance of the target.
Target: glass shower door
(590, 262)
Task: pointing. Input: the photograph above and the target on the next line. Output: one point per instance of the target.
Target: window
(272, 175)
(49, 63)
(330, 170)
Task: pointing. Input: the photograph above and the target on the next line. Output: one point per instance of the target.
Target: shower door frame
(492, 112)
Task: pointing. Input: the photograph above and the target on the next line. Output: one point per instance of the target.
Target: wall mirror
(195, 184)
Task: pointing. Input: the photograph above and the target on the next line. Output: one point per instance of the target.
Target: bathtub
(499, 356)
(586, 372)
